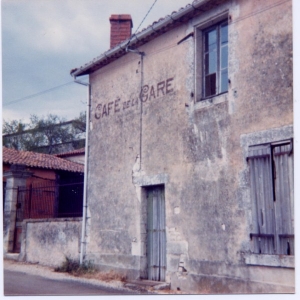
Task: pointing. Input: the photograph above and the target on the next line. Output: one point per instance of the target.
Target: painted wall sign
(147, 93)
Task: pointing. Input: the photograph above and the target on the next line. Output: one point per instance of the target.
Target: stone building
(190, 149)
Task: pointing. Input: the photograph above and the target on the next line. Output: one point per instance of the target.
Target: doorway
(156, 233)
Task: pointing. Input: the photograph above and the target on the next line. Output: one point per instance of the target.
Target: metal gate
(47, 200)
(33, 202)
(156, 233)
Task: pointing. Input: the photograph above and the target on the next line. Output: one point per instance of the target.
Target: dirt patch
(106, 277)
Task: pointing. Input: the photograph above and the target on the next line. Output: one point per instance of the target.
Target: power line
(162, 49)
(37, 94)
(259, 11)
(57, 87)
(143, 20)
(145, 16)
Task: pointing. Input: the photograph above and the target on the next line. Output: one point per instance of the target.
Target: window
(271, 179)
(215, 60)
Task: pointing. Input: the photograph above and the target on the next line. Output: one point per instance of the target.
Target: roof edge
(71, 153)
(39, 160)
(86, 69)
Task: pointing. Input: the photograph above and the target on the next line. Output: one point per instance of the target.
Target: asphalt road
(20, 283)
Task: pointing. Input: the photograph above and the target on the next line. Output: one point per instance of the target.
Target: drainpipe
(142, 54)
(84, 212)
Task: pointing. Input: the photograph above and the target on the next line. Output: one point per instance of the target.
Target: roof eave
(120, 49)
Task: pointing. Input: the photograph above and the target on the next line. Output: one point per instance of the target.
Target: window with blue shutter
(271, 180)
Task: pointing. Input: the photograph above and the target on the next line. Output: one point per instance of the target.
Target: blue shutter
(263, 233)
(284, 198)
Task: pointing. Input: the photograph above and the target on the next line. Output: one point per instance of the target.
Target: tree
(48, 135)
(79, 123)
(16, 128)
(79, 127)
(47, 132)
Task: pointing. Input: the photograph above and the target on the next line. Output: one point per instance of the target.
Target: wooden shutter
(262, 199)
(284, 198)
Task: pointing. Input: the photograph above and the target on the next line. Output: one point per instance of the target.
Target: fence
(50, 201)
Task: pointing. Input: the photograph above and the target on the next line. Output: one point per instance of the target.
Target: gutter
(124, 46)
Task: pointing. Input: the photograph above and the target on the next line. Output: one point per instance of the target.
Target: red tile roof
(71, 153)
(40, 160)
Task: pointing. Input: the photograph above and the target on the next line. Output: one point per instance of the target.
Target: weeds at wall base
(88, 270)
(73, 267)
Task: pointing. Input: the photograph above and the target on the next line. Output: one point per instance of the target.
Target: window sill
(283, 261)
(211, 101)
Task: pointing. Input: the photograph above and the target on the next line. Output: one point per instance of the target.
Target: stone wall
(49, 241)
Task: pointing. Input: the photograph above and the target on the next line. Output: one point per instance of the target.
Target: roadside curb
(11, 256)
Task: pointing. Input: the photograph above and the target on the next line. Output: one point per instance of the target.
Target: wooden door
(156, 233)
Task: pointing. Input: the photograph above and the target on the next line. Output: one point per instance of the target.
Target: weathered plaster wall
(259, 98)
(193, 148)
(128, 139)
(49, 241)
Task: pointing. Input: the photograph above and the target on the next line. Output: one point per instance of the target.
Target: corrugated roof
(71, 153)
(40, 160)
(147, 34)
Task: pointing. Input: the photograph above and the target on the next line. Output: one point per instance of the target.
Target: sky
(42, 40)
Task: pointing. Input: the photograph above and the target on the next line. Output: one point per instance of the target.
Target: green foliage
(73, 267)
(48, 135)
(18, 140)
(46, 132)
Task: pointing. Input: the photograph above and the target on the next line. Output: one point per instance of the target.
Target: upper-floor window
(215, 60)
(271, 179)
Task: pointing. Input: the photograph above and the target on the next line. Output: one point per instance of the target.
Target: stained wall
(148, 127)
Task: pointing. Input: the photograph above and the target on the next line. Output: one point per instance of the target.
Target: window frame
(201, 24)
(204, 54)
(267, 212)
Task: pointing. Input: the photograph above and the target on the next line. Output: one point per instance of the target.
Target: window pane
(224, 57)
(211, 40)
(210, 85)
(224, 81)
(215, 59)
(211, 62)
(224, 34)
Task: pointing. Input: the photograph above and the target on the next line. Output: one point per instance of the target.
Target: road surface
(20, 283)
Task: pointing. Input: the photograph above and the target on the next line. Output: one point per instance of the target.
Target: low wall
(49, 241)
